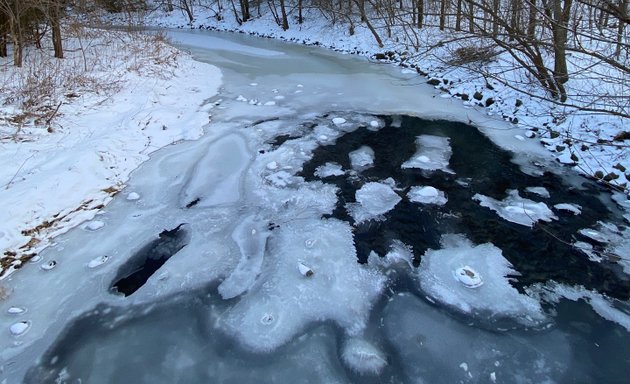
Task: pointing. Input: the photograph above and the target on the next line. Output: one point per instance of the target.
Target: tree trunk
(561, 14)
(443, 6)
(3, 44)
(56, 31)
(531, 22)
(285, 21)
(420, 8)
(458, 16)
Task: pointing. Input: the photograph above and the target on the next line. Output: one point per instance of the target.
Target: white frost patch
(251, 237)
(362, 158)
(328, 170)
(426, 195)
(284, 302)
(94, 225)
(399, 255)
(516, 209)
(540, 191)
(363, 357)
(433, 153)
(372, 200)
(495, 299)
(573, 208)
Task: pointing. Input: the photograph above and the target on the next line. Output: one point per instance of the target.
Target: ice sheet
(216, 179)
(435, 348)
(285, 302)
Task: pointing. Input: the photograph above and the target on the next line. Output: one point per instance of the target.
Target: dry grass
(95, 63)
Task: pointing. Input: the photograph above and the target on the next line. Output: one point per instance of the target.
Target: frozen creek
(235, 258)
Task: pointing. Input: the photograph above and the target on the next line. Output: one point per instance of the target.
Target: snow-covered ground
(116, 106)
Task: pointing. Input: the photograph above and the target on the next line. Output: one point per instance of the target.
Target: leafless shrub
(473, 55)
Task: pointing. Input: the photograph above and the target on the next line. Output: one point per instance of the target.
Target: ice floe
(284, 302)
(608, 308)
(426, 195)
(486, 270)
(540, 191)
(372, 201)
(328, 170)
(572, 208)
(362, 158)
(516, 209)
(433, 153)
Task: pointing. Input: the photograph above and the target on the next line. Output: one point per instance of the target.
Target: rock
(304, 270)
(434, 82)
(468, 277)
(489, 101)
(478, 96)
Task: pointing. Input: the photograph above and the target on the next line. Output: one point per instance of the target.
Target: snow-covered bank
(588, 141)
(116, 105)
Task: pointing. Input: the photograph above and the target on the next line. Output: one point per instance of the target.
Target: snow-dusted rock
(19, 328)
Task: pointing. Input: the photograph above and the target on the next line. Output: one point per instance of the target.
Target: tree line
(540, 35)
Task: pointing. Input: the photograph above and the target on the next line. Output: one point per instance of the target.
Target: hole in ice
(267, 319)
(141, 266)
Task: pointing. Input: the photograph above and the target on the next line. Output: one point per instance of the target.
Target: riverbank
(115, 99)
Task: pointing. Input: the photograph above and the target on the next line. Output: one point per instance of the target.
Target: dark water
(175, 341)
(536, 253)
(141, 266)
